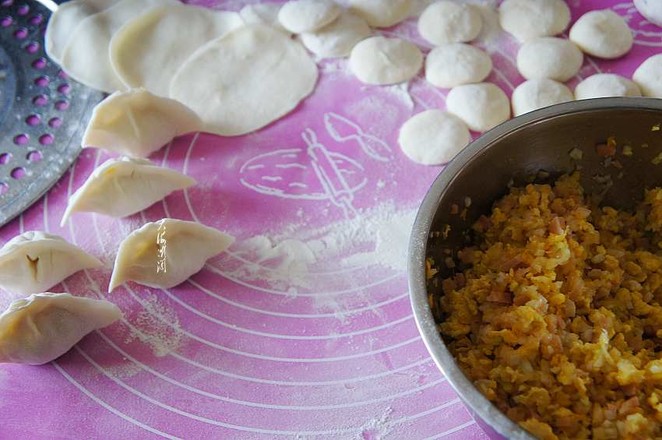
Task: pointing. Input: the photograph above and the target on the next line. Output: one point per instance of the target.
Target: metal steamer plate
(43, 113)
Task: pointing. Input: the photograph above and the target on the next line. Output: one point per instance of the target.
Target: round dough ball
(602, 85)
(538, 93)
(450, 22)
(381, 60)
(455, 64)
(381, 13)
(433, 137)
(338, 38)
(262, 13)
(648, 76)
(549, 57)
(299, 16)
(264, 75)
(651, 9)
(527, 19)
(603, 34)
(481, 106)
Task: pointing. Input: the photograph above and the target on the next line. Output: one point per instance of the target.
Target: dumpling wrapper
(165, 253)
(245, 80)
(86, 57)
(67, 16)
(147, 51)
(124, 186)
(136, 123)
(44, 326)
(35, 261)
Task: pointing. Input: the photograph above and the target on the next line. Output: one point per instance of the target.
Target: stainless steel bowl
(536, 146)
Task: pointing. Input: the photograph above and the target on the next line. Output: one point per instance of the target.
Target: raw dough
(299, 16)
(35, 261)
(651, 9)
(43, 327)
(165, 253)
(148, 50)
(262, 13)
(449, 22)
(603, 34)
(527, 19)
(602, 85)
(455, 64)
(538, 93)
(381, 13)
(338, 38)
(86, 58)
(481, 106)
(67, 16)
(125, 186)
(381, 60)
(264, 75)
(136, 123)
(433, 137)
(648, 76)
(549, 57)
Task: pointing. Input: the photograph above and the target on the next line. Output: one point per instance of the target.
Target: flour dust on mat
(158, 327)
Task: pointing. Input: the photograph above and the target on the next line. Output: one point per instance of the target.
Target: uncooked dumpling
(298, 16)
(538, 93)
(554, 58)
(263, 76)
(527, 19)
(602, 85)
(481, 106)
(450, 22)
(137, 123)
(148, 51)
(455, 64)
(124, 186)
(602, 33)
(262, 13)
(44, 326)
(165, 253)
(380, 60)
(36, 261)
(67, 16)
(433, 137)
(648, 76)
(86, 57)
(651, 9)
(381, 13)
(338, 38)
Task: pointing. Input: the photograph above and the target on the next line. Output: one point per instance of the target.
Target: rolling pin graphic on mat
(342, 129)
(329, 175)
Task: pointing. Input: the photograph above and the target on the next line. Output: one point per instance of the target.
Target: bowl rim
(476, 402)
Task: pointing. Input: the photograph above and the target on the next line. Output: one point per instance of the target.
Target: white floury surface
(603, 34)
(433, 137)
(380, 60)
(538, 93)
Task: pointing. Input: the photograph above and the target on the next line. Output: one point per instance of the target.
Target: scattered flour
(158, 327)
(125, 370)
(377, 428)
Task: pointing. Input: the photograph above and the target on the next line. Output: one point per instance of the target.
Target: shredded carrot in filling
(557, 316)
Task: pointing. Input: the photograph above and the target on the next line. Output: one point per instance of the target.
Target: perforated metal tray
(42, 112)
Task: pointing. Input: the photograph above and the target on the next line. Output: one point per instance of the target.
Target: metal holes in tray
(43, 113)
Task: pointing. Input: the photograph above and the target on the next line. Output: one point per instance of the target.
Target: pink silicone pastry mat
(303, 328)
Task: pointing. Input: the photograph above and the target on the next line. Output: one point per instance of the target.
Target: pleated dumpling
(124, 186)
(165, 253)
(36, 261)
(42, 327)
(136, 123)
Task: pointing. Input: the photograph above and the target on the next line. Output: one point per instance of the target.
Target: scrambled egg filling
(557, 318)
